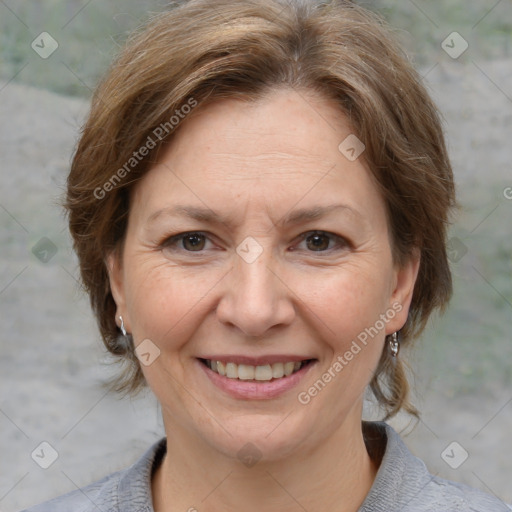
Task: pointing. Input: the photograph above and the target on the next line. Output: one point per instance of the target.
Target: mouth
(260, 373)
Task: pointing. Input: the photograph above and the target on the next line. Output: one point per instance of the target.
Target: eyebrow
(203, 214)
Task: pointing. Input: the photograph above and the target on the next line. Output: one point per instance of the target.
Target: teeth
(245, 372)
(263, 372)
(278, 370)
(232, 371)
(288, 368)
(248, 372)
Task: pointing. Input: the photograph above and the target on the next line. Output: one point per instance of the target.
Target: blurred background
(52, 364)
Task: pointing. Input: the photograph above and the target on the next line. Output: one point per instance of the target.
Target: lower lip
(251, 390)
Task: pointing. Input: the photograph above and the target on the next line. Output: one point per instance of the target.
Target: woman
(259, 203)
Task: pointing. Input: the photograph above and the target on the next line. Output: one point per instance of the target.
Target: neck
(336, 476)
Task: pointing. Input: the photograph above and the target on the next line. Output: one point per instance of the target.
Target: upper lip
(256, 361)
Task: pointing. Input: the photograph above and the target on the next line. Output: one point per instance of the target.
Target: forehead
(283, 124)
(279, 150)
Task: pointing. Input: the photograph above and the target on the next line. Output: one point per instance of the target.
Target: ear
(403, 283)
(116, 279)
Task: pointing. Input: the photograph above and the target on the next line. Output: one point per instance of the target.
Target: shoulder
(461, 497)
(404, 483)
(128, 490)
(100, 495)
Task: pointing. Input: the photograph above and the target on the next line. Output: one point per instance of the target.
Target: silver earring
(123, 330)
(394, 344)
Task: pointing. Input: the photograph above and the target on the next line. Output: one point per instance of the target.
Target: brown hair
(200, 51)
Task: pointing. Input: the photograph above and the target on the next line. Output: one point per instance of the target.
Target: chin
(267, 438)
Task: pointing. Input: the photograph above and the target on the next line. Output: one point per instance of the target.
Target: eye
(322, 241)
(190, 242)
(196, 241)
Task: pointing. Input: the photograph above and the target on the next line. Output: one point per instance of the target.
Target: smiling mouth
(260, 373)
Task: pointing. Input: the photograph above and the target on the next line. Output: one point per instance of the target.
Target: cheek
(163, 299)
(347, 300)
(348, 306)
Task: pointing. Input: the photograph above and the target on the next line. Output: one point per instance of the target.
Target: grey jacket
(403, 484)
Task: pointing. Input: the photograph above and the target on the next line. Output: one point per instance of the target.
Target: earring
(394, 344)
(123, 330)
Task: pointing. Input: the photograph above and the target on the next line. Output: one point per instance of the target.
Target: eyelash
(341, 241)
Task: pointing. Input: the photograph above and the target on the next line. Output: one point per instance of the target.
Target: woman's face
(255, 241)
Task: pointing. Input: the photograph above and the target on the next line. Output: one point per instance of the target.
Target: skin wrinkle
(253, 161)
(297, 302)
(250, 162)
(180, 215)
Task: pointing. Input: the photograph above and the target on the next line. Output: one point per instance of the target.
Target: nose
(255, 298)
